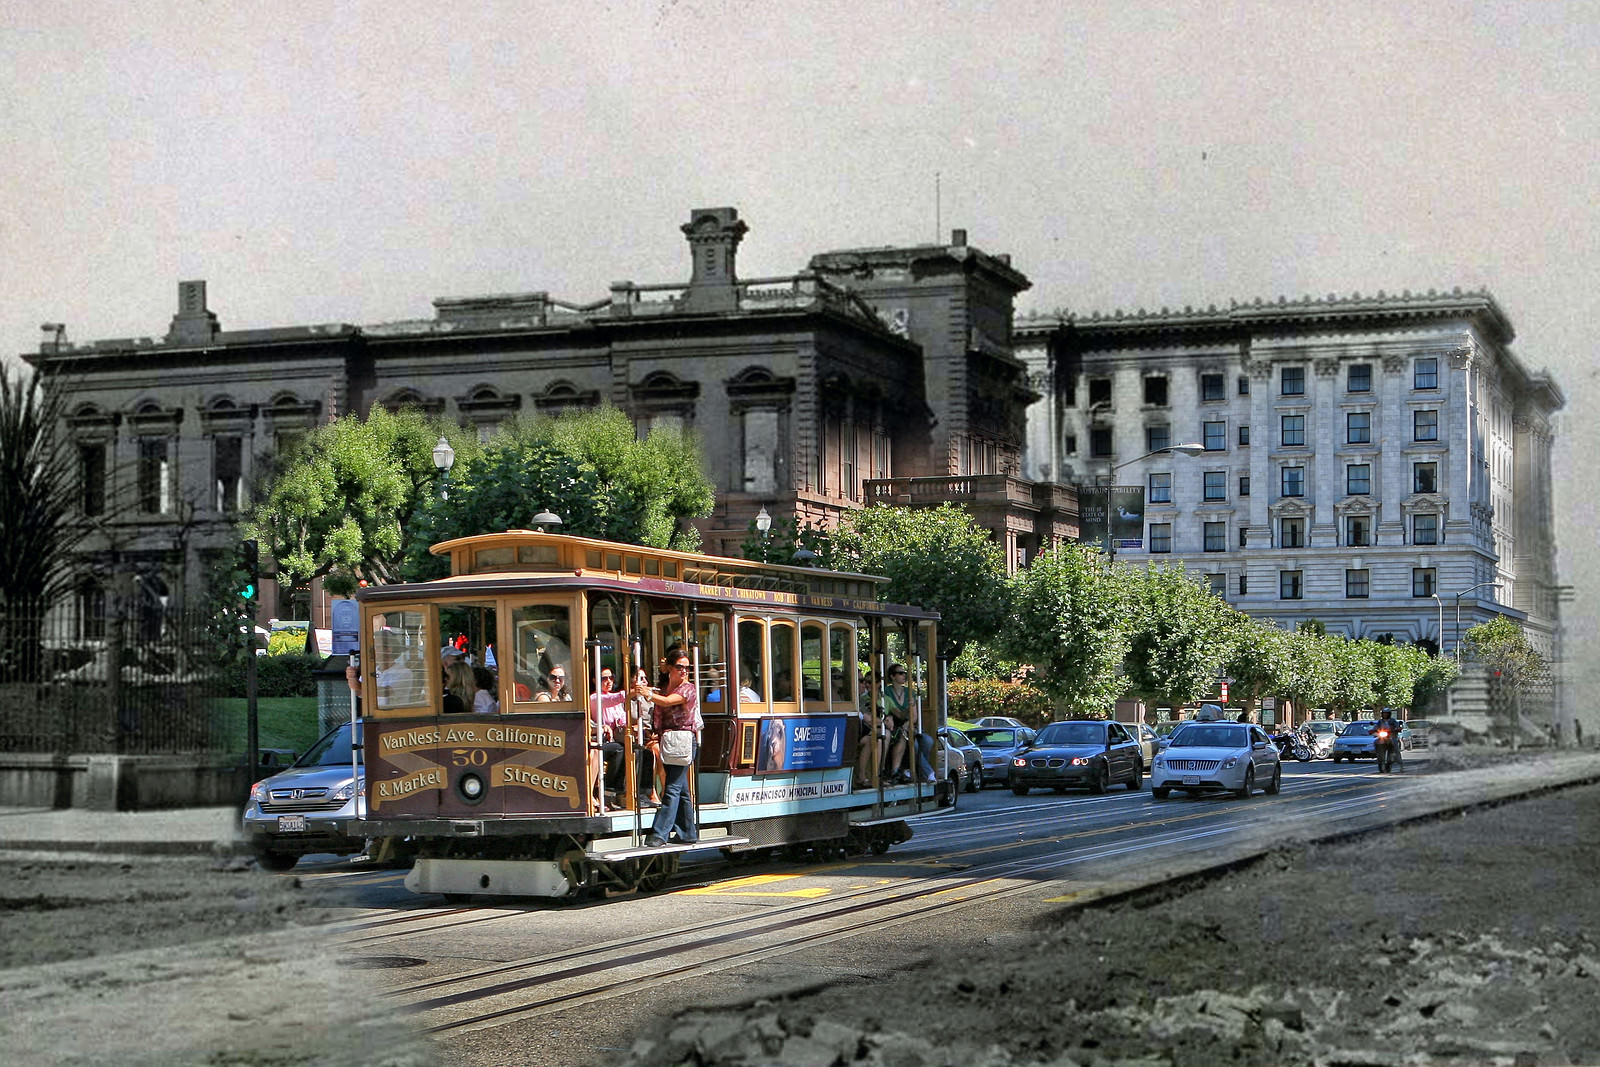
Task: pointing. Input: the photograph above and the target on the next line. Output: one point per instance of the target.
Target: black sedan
(1090, 752)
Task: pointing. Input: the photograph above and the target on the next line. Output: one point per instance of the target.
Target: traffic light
(250, 563)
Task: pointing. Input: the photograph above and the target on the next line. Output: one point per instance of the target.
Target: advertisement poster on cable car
(801, 743)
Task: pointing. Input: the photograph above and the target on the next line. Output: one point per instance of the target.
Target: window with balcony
(1213, 387)
(1424, 477)
(1357, 583)
(1294, 481)
(1424, 529)
(1214, 436)
(1357, 531)
(1358, 479)
(1358, 428)
(1292, 381)
(1290, 585)
(1161, 488)
(1427, 374)
(1425, 426)
(1291, 533)
(1216, 483)
(1155, 390)
(1293, 431)
(1423, 582)
(1157, 437)
(1161, 537)
(1216, 536)
(1359, 378)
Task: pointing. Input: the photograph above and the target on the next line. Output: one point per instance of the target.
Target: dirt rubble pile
(1459, 941)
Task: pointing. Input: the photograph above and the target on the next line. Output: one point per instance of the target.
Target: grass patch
(282, 722)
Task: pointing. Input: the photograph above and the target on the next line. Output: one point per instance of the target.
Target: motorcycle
(1292, 745)
(1386, 748)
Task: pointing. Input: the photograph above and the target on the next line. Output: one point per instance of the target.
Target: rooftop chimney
(194, 324)
(714, 234)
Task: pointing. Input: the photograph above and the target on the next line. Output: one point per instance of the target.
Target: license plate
(291, 824)
(1191, 779)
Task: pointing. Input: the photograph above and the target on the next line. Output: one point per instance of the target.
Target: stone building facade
(873, 374)
(1365, 460)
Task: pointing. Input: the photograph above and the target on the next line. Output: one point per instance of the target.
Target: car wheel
(1102, 780)
(1276, 783)
(1249, 785)
(1136, 783)
(275, 861)
(1019, 790)
(975, 781)
(949, 799)
(1160, 792)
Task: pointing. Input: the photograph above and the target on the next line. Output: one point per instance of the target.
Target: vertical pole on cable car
(630, 765)
(596, 729)
(355, 742)
(880, 643)
(694, 666)
(914, 742)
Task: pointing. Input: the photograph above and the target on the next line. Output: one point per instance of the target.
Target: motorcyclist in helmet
(1387, 733)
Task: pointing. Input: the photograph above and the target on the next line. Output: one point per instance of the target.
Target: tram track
(535, 985)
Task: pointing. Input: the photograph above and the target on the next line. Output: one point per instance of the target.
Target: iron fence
(61, 693)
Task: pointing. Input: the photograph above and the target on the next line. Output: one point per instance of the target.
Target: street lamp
(764, 524)
(1457, 631)
(1439, 602)
(1185, 449)
(444, 457)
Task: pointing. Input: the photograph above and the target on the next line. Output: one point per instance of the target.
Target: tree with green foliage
(1309, 676)
(936, 558)
(652, 486)
(1506, 653)
(1354, 675)
(1256, 661)
(589, 469)
(1068, 620)
(1178, 634)
(342, 504)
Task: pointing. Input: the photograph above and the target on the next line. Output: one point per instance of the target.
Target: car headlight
(1080, 761)
(258, 792)
(1160, 760)
(1018, 761)
(1229, 762)
(349, 789)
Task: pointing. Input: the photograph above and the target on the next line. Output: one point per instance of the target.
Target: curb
(129, 848)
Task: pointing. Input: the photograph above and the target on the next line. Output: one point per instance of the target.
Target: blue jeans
(925, 755)
(677, 807)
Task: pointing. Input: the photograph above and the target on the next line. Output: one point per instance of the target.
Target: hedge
(972, 699)
(277, 676)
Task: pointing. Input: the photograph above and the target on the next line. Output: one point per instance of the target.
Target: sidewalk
(173, 832)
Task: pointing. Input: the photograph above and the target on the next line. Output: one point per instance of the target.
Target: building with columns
(1375, 463)
(872, 374)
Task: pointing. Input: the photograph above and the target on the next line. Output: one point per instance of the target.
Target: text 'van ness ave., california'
(475, 734)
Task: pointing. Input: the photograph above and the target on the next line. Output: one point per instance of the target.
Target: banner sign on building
(800, 743)
(1126, 515)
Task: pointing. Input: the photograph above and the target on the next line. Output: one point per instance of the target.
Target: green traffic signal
(248, 592)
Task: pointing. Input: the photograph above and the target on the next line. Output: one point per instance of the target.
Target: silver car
(1213, 756)
(306, 808)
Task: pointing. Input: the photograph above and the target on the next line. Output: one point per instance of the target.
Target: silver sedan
(1217, 756)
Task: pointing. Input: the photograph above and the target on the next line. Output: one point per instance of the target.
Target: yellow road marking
(744, 887)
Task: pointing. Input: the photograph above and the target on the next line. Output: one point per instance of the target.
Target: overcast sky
(352, 161)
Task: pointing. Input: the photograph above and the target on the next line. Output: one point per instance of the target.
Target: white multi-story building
(1380, 464)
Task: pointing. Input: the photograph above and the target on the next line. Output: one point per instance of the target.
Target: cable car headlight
(471, 788)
